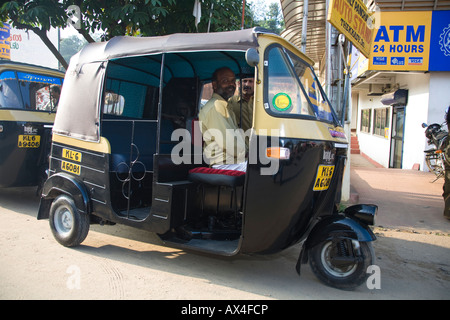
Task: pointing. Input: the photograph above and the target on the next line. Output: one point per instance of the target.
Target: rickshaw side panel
(22, 164)
(280, 208)
(78, 171)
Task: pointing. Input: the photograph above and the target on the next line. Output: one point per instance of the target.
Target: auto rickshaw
(127, 149)
(28, 96)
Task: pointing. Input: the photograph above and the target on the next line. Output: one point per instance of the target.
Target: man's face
(248, 86)
(225, 86)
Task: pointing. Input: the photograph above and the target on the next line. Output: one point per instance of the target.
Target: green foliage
(132, 17)
(269, 18)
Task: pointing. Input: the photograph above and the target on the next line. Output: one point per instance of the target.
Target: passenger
(246, 115)
(225, 145)
(52, 104)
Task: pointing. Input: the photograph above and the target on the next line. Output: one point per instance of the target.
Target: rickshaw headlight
(278, 153)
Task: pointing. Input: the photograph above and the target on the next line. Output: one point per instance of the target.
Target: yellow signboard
(5, 44)
(401, 41)
(352, 18)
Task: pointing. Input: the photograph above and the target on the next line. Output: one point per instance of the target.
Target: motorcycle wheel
(342, 263)
(435, 163)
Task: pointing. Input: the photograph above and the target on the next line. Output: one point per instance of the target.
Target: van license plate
(323, 177)
(29, 141)
(71, 167)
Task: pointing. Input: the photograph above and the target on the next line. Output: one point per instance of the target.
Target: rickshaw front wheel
(342, 263)
(69, 226)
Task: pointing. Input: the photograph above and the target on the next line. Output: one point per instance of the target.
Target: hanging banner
(5, 44)
(351, 18)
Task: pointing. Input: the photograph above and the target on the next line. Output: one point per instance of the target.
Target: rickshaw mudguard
(61, 183)
(337, 226)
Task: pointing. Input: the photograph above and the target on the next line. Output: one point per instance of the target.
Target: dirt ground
(117, 262)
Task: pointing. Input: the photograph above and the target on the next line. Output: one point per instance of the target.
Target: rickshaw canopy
(132, 59)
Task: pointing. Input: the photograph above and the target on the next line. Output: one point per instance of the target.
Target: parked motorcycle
(435, 157)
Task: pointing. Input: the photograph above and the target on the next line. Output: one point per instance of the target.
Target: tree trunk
(43, 35)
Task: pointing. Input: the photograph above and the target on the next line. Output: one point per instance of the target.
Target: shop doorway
(397, 138)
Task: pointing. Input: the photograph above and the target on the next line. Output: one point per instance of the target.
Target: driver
(225, 145)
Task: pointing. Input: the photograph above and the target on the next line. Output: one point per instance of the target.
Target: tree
(38, 16)
(269, 18)
(71, 45)
(123, 17)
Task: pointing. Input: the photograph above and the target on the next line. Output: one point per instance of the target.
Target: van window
(30, 91)
(9, 91)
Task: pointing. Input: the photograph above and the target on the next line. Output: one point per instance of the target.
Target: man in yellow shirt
(225, 146)
(246, 116)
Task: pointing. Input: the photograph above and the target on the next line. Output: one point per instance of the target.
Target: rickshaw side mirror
(252, 57)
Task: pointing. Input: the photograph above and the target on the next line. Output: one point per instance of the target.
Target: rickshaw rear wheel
(342, 263)
(69, 226)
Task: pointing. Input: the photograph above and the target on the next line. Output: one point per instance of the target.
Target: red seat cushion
(231, 178)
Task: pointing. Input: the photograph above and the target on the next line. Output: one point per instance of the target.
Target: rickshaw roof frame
(91, 62)
(28, 67)
(127, 46)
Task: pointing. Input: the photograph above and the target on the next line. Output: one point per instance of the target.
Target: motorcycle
(435, 157)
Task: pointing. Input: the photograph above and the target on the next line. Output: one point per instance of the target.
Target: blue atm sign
(411, 41)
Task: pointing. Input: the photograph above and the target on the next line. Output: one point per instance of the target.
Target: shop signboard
(411, 41)
(5, 44)
(351, 18)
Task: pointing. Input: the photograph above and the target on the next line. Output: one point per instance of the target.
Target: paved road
(117, 262)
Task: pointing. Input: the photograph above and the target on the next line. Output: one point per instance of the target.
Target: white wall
(428, 99)
(439, 98)
(29, 48)
(416, 112)
(376, 147)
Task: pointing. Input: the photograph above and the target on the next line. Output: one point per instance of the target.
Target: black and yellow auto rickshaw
(28, 99)
(118, 155)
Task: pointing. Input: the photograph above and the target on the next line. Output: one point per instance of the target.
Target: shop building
(404, 82)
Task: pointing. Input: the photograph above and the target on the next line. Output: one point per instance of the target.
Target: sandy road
(117, 262)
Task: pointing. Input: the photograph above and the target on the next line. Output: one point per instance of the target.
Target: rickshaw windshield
(293, 88)
(29, 91)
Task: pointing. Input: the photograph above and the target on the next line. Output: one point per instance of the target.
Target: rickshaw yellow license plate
(71, 155)
(71, 167)
(323, 177)
(29, 141)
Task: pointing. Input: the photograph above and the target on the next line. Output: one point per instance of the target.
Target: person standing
(446, 187)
